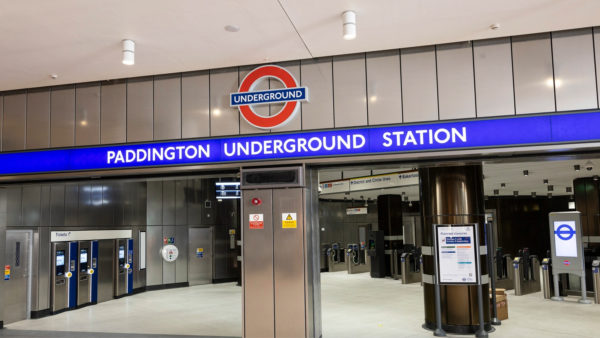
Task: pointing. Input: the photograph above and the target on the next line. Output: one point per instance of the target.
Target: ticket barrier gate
(356, 259)
(410, 263)
(546, 278)
(527, 274)
(596, 280)
(336, 258)
(504, 272)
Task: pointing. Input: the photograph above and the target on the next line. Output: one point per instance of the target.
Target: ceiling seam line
(295, 29)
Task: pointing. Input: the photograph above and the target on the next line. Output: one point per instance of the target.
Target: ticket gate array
(336, 258)
(504, 271)
(527, 273)
(548, 280)
(75, 273)
(411, 263)
(357, 260)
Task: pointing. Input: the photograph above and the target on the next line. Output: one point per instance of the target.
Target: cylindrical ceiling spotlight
(516, 193)
(545, 181)
(525, 172)
(577, 167)
(549, 195)
(533, 194)
(502, 185)
(569, 189)
(550, 187)
(349, 18)
(128, 52)
(496, 192)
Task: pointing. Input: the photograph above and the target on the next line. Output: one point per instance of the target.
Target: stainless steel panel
(355, 173)
(167, 107)
(35, 264)
(139, 274)
(288, 264)
(574, 69)
(106, 256)
(180, 203)
(14, 206)
(330, 176)
(296, 122)
(62, 117)
(13, 129)
(245, 127)
(71, 204)
(224, 120)
(384, 92)
(44, 269)
(140, 110)
(456, 90)
(350, 91)
(45, 206)
(258, 283)
(38, 119)
(168, 204)
(57, 205)
(493, 77)
(2, 243)
(154, 211)
(16, 297)
(1, 127)
(195, 204)
(84, 264)
(181, 264)
(597, 58)
(32, 205)
(154, 240)
(317, 75)
(419, 84)
(200, 266)
(59, 294)
(532, 69)
(312, 247)
(195, 105)
(113, 108)
(84, 209)
(87, 115)
(169, 268)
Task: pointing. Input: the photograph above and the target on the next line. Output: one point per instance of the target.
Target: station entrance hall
(300, 169)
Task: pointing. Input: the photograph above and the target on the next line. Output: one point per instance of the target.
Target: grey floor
(353, 306)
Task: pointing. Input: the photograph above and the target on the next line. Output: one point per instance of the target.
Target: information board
(456, 253)
(566, 242)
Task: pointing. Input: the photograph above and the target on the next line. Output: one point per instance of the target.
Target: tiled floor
(353, 306)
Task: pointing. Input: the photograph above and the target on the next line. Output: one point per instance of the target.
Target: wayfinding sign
(456, 253)
(566, 242)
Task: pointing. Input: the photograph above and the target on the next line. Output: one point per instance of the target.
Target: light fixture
(577, 167)
(128, 52)
(502, 185)
(349, 18)
(232, 28)
(569, 189)
(533, 194)
(54, 76)
(595, 177)
(405, 198)
(525, 172)
(549, 195)
(545, 181)
(516, 193)
(496, 192)
(550, 187)
(495, 26)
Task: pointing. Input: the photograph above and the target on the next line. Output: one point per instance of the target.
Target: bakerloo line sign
(470, 134)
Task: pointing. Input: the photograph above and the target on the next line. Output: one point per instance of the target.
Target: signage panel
(88, 235)
(456, 254)
(566, 242)
(514, 131)
(357, 211)
(565, 238)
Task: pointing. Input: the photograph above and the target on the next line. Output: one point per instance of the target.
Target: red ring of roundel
(288, 108)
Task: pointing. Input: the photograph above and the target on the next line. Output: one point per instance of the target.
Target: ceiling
(79, 41)
(560, 175)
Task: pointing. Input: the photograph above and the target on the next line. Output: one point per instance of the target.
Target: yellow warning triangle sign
(289, 218)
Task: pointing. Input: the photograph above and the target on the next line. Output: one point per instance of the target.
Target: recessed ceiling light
(495, 26)
(525, 172)
(545, 181)
(516, 193)
(533, 194)
(54, 76)
(550, 187)
(549, 195)
(502, 185)
(232, 28)
(577, 167)
(496, 192)
(569, 189)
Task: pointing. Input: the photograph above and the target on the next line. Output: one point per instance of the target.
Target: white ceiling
(80, 40)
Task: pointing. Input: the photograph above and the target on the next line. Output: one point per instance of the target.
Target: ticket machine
(87, 289)
(123, 267)
(64, 276)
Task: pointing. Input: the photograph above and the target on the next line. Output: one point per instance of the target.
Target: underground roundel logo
(247, 97)
(564, 232)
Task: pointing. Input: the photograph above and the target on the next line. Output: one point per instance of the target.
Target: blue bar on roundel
(130, 262)
(72, 265)
(94, 267)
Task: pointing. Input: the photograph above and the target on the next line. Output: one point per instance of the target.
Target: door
(17, 286)
(200, 270)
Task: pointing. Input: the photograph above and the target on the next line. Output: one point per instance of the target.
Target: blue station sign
(472, 134)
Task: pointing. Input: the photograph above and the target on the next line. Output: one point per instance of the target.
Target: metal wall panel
(139, 275)
(384, 92)
(180, 202)
(45, 206)
(597, 58)
(493, 77)
(140, 110)
(154, 240)
(169, 268)
(317, 75)
(456, 90)
(224, 120)
(154, 210)
(57, 205)
(355, 173)
(195, 105)
(263, 109)
(296, 123)
(574, 70)
(62, 117)
(329, 176)
(44, 269)
(168, 205)
(194, 202)
(350, 91)
(84, 204)
(200, 267)
(38, 119)
(419, 84)
(1, 127)
(181, 264)
(32, 195)
(87, 115)
(532, 69)
(167, 107)
(71, 204)
(113, 108)
(14, 206)
(3, 206)
(13, 129)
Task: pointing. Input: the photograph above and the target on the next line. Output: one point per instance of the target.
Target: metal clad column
(94, 267)
(453, 195)
(130, 262)
(72, 267)
(2, 244)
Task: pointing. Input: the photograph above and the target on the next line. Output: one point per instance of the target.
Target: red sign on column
(256, 221)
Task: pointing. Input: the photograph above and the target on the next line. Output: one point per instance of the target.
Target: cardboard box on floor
(501, 304)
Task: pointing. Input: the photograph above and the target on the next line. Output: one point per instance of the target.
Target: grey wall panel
(32, 198)
(84, 204)
(532, 69)
(154, 239)
(140, 110)
(263, 110)
(574, 70)
(180, 202)
(45, 210)
(14, 206)
(62, 117)
(1, 119)
(87, 115)
(195, 105)
(38, 119)
(154, 210)
(169, 268)
(456, 87)
(57, 205)
(71, 204)
(316, 74)
(181, 264)
(329, 176)
(44, 264)
(13, 130)
(296, 122)
(349, 91)
(493, 77)
(168, 203)
(597, 58)
(419, 86)
(384, 92)
(167, 107)
(195, 203)
(113, 108)
(355, 173)
(224, 120)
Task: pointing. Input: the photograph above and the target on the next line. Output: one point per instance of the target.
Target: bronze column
(453, 195)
